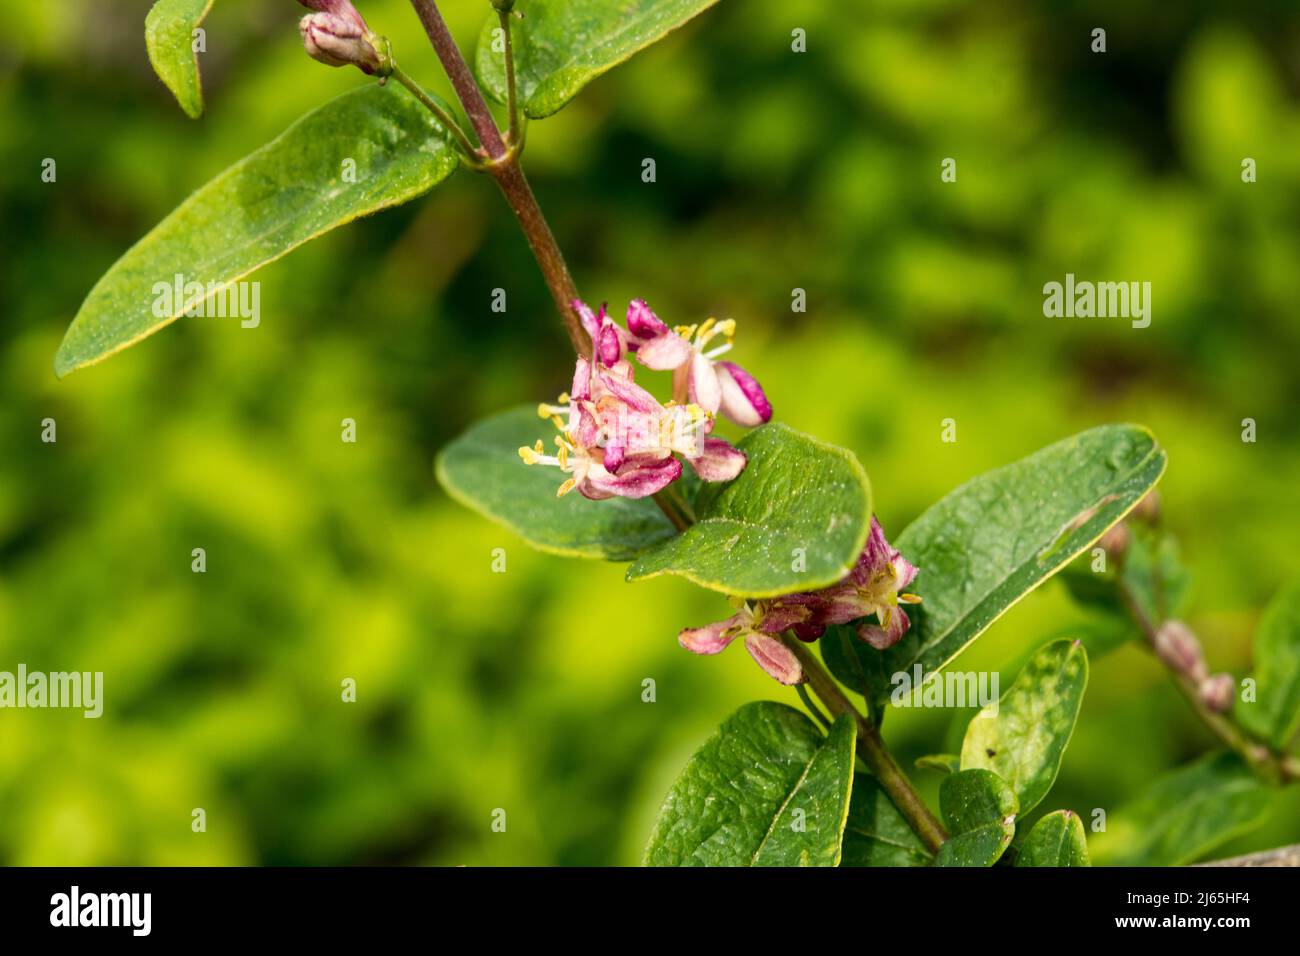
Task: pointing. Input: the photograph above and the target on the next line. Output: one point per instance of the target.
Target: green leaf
(1185, 814)
(980, 811)
(1022, 737)
(562, 45)
(482, 469)
(169, 36)
(795, 519)
(1056, 840)
(857, 665)
(997, 537)
(877, 834)
(1275, 714)
(286, 193)
(943, 763)
(768, 789)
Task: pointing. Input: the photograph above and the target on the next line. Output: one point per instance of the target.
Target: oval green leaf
(285, 194)
(1056, 840)
(562, 45)
(1185, 814)
(795, 519)
(482, 470)
(1275, 713)
(1022, 737)
(876, 833)
(994, 539)
(768, 789)
(980, 811)
(169, 37)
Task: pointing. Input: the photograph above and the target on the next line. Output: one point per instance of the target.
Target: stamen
(720, 350)
(910, 598)
(565, 488)
(705, 332)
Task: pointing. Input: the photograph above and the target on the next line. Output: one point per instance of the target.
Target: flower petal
(609, 344)
(883, 637)
(638, 478)
(702, 384)
(628, 392)
(580, 390)
(743, 400)
(665, 351)
(878, 553)
(590, 321)
(642, 323)
(774, 657)
(721, 461)
(712, 638)
(904, 571)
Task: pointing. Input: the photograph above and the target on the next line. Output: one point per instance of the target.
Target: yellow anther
(727, 329)
(565, 488)
(544, 410)
(558, 422)
(910, 598)
(703, 334)
(563, 456)
(528, 455)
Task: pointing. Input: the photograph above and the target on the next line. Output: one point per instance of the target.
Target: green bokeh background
(775, 171)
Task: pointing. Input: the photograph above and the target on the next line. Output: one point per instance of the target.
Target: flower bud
(339, 8)
(1116, 540)
(1178, 647)
(1216, 692)
(337, 39)
(503, 6)
(1148, 508)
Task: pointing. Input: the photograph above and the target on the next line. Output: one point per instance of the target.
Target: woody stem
(503, 164)
(871, 748)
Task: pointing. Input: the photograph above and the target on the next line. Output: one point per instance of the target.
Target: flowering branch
(1176, 648)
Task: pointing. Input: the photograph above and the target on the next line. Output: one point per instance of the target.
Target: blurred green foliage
(776, 171)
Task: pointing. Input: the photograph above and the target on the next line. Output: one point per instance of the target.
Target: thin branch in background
(1273, 766)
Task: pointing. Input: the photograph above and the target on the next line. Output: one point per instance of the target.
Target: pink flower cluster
(873, 589)
(616, 439)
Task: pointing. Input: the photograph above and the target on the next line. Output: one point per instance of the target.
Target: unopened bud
(1216, 692)
(340, 8)
(1178, 647)
(337, 39)
(1148, 508)
(1115, 541)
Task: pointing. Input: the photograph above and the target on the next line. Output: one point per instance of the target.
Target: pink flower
(616, 439)
(874, 587)
(697, 375)
(757, 623)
